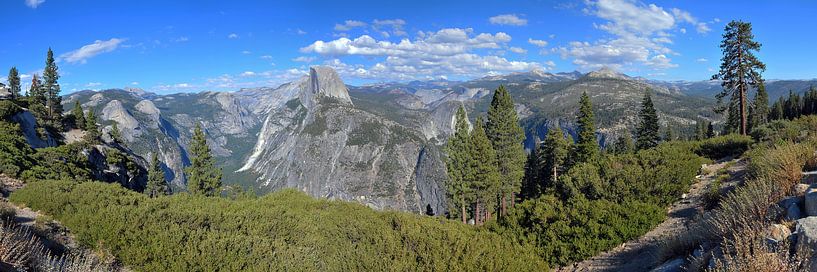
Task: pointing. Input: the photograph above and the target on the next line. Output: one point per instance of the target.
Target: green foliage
(366, 132)
(203, 177)
(739, 71)
(597, 205)
(8, 109)
(14, 83)
(157, 184)
(647, 131)
(293, 104)
(724, 146)
(15, 153)
(623, 145)
(587, 146)
(51, 91)
(486, 182)
(506, 137)
(79, 115)
(553, 157)
(281, 231)
(317, 127)
(59, 163)
(759, 111)
(91, 127)
(458, 164)
(781, 131)
(116, 134)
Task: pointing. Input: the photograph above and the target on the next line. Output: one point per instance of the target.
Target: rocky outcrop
(128, 125)
(811, 201)
(28, 124)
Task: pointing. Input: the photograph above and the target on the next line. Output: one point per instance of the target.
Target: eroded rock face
(128, 125)
(811, 201)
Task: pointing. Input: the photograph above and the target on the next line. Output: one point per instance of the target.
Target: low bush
(732, 145)
(15, 153)
(8, 108)
(281, 231)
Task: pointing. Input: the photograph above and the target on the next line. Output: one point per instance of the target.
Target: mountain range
(378, 144)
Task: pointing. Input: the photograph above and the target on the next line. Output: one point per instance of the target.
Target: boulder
(800, 189)
(674, 265)
(811, 201)
(793, 213)
(776, 234)
(807, 232)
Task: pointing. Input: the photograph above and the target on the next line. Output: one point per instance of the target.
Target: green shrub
(8, 108)
(14, 150)
(732, 145)
(281, 231)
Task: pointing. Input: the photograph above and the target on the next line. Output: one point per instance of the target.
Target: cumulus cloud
(450, 51)
(304, 59)
(266, 57)
(349, 25)
(641, 35)
(34, 3)
(232, 36)
(508, 19)
(93, 84)
(394, 25)
(82, 54)
(539, 43)
(518, 50)
(701, 60)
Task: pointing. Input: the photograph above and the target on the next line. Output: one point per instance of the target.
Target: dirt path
(640, 254)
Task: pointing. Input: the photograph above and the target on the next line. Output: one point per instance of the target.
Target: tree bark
(502, 206)
(477, 214)
(464, 219)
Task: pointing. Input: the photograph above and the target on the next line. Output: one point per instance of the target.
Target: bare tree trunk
(477, 214)
(502, 206)
(464, 219)
(513, 200)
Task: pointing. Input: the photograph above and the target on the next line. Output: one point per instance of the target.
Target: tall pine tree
(37, 100)
(91, 128)
(647, 131)
(485, 182)
(587, 146)
(506, 136)
(52, 92)
(203, 177)
(759, 111)
(458, 163)
(79, 115)
(740, 69)
(531, 183)
(14, 83)
(553, 156)
(156, 184)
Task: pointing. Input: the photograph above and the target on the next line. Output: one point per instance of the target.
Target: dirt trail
(640, 254)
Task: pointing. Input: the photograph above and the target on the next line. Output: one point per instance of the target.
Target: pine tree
(459, 163)
(52, 92)
(203, 178)
(485, 182)
(506, 136)
(587, 146)
(156, 184)
(647, 131)
(740, 69)
(710, 130)
(14, 83)
(668, 134)
(532, 181)
(777, 112)
(79, 115)
(700, 129)
(37, 99)
(759, 111)
(623, 144)
(116, 135)
(91, 128)
(553, 156)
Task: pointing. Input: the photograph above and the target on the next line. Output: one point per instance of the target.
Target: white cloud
(518, 50)
(248, 74)
(349, 25)
(450, 51)
(182, 39)
(266, 57)
(304, 59)
(34, 3)
(232, 36)
(82, 54)
(640, 33)
(702, 60)
(508, 19)
(246, 52)
(134, 83)
(395, 25)
(300, 32)
(539, 43)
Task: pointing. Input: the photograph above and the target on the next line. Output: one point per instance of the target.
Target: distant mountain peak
(325, 81)
(606, 72)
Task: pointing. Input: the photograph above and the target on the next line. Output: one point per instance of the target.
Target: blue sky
(183, 46)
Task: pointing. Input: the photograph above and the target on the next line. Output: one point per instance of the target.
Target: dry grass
(747, 251)
(21, 250)
(783, 164)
